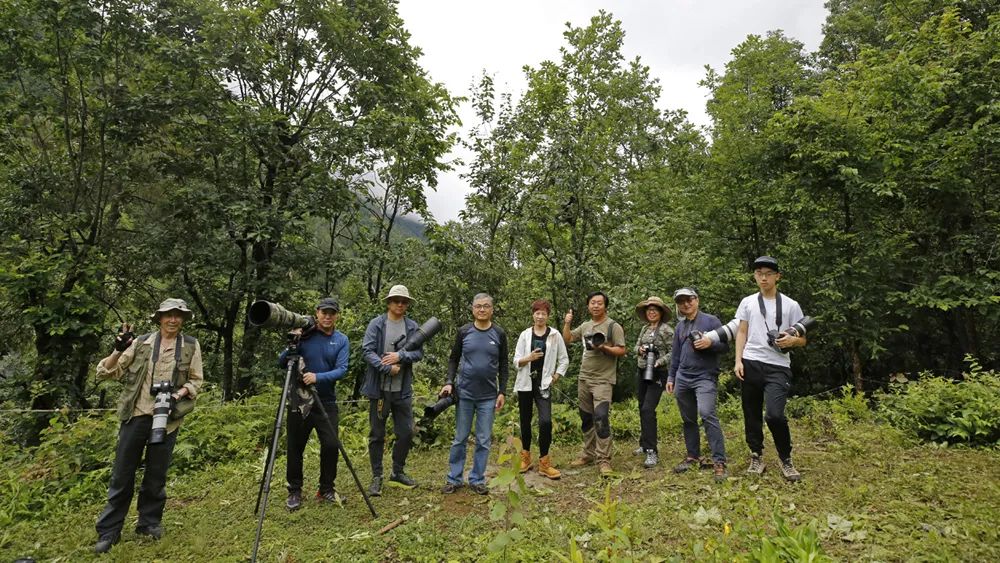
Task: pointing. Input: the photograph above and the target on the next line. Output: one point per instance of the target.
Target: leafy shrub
(939, 409)
(790, 544)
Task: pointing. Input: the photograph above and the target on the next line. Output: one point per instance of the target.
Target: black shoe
(480, 489)
(330, 497)
(104, 544)
(294, 500)
(375, 489)
(450, 488)
(154, 532)
(403, 479)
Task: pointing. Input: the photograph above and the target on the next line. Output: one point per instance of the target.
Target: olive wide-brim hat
(172, 304)
(640, 309)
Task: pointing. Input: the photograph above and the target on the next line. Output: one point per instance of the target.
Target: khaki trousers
(594, 398)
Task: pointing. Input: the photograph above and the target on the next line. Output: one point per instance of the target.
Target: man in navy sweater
(478, 367)
(324, 352)
(694, 378)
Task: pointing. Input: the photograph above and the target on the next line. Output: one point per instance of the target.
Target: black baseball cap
(765, 262)
(328, 303)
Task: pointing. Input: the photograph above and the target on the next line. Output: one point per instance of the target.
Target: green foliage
(790, 544)
(508, 508)
(943, 410)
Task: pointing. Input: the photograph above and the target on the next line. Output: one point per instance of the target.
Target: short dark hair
(539, 304)
(594, 294)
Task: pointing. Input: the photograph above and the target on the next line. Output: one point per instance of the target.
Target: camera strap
(177, 358)
(777, 310)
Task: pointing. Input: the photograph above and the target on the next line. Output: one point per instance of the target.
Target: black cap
(328, 303)
(765, 262)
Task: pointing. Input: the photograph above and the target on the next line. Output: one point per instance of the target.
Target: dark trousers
(765, 387)
(402, 427)
(525, 401)
(133, 436)
(648, 394)
(299, 428)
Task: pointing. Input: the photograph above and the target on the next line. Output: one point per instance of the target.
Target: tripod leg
(343, 452)
(265, 483)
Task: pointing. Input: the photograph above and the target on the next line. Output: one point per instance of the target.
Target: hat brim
(640, 310)
(186, 313)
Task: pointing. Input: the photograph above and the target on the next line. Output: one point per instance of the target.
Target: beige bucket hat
(640, 309)
(172, 304)
(399, 291)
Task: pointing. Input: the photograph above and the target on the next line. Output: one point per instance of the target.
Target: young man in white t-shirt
(764, 367)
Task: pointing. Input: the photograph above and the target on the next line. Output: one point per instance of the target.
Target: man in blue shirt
(323, 351)
(694, 379)
(479, 360)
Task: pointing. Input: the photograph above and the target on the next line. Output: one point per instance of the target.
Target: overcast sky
(461, 39)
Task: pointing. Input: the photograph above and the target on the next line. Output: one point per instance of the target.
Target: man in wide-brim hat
(138, 362)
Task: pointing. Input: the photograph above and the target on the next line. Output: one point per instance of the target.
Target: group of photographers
(162, 373)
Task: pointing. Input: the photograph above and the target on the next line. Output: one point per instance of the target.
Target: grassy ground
(869, 494)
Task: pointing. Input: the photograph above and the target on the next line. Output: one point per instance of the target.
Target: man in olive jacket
(139, 362)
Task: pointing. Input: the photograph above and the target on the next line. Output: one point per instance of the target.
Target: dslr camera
(594, 340)
(798, 329)
(651, 354)
(162, 406)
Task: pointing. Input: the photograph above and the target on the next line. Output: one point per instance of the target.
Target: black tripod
(292, 374)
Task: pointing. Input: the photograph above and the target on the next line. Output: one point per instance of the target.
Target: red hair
(539, 304)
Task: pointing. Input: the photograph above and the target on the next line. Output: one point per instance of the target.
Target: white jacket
(556, 359)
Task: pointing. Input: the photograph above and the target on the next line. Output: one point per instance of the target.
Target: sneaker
(480, 489)
(605, 469)
(330, 496)
(652, 459)
(154, 532)
(104, 544)
(525, 461)
(685, 464)
(789, 472)
(375, 489)
(756, 465)
(403, 480)
(639, 451)
(581, 461)
(719, 472)
(706, 463)
(294, 500)
(450, 488)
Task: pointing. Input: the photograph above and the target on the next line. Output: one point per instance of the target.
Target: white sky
(676, 38)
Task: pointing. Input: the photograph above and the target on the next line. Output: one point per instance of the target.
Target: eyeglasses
(482, 307)
(763, 274)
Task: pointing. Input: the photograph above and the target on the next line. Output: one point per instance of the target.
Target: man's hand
(390, 358)
(446, 390)
(738, 370)
(394, 370)
(124, 338)
(702, 343)
(309, 378)
(569, 317)
(787, 341)
(670, 387)
(500, 401)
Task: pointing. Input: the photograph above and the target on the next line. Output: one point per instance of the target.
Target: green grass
(870, 494)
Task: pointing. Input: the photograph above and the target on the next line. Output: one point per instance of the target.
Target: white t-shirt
(757, 348)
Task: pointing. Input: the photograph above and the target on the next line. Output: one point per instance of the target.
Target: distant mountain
(410, 226)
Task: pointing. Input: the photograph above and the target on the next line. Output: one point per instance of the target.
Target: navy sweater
(686, 360)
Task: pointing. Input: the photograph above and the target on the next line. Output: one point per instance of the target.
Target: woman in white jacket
(541, 359)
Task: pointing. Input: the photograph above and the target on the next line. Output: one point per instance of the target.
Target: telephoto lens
(161, 411)
(650, 362)
(802, 327)
(724, 333)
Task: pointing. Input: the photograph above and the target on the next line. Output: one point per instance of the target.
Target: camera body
(594, 340)
(797, 329)
(695, 335)
(651, 354)
(161, 391)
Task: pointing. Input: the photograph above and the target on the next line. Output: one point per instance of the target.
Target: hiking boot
(719, 472)
(403, 480)
(545, 468)
(153, 532)
(686, 464)
(581, 461)
(706, 463)
(789, 472)
(330, 497)
(294, 500)
(756, 465)
(375, 489)
(525, 461)
(639, 451)
(652, 459)
(480, 489)
(104, 543)
(605, 469)
(450, 488)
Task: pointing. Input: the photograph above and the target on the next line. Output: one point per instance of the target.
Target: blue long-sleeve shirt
(686, 360)
(326, 356)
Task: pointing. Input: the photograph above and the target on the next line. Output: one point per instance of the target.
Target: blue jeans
(464, 411)
(697, 397)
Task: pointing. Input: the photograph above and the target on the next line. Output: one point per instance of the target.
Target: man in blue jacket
(324, 352)
(693, 378)
(389, 386)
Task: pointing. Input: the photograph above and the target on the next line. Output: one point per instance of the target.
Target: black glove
(124, 338)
